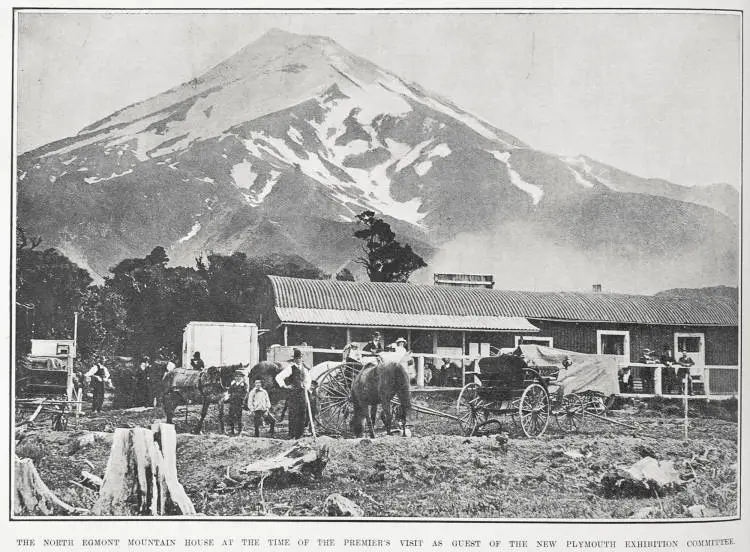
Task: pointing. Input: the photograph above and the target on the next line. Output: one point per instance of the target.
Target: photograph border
(17, 10)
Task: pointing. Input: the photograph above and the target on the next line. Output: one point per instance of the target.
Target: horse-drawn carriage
(46, 387)
(532, 384)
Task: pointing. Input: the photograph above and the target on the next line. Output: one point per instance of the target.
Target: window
(63, 349)
(534, 340)
(612, 342)
(691, 344)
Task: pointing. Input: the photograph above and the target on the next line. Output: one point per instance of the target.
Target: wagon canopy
(586, 373)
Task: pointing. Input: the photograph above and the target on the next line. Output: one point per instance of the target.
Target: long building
(454, 321)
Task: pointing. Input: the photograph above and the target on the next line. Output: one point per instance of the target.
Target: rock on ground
(337, 505)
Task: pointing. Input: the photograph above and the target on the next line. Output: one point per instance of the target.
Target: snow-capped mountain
(280, 146)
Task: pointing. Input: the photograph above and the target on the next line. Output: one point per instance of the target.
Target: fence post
(657, 380)
(706, 381)
(420, 371)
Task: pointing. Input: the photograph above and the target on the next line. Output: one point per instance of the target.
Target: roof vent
(596, 288)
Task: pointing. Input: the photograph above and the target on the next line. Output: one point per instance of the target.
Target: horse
(209, 386)
(378, 384)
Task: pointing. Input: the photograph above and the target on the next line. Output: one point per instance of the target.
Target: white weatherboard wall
(220, 343)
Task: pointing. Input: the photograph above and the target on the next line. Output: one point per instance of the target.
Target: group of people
(300, 404)
(143, 389)
(674, 372)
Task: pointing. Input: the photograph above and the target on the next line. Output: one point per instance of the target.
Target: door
(694, 344)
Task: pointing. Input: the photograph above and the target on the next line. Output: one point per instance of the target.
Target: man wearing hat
(647, 373)
(375, 345)
(296, 378)
(237, 394)
(142, 391)
(259, 404)
(98, 375)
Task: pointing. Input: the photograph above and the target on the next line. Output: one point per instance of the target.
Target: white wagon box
(220, 343)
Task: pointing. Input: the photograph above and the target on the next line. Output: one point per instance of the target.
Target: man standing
(143, 383)
(259, 404)
(375, 345)
(669, 372)
(196, 363)
(684, 372)
(237, 394)
(98, 375)
(296, 378)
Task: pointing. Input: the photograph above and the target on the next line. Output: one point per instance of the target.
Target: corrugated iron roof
(398, 298)
(338, 317)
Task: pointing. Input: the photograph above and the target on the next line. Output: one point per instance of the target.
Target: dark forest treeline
(143, 305)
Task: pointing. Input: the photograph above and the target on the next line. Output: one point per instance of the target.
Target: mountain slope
(721, 197)
(280, 146)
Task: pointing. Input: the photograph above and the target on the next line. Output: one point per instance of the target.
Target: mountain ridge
(293, 133)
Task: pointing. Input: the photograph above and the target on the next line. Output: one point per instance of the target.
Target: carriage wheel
(533, 410)
(471, 409)
(570, 415)
(334, 404)
(598, 403)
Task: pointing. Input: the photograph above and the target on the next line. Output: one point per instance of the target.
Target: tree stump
(141, 475)
(33, 497)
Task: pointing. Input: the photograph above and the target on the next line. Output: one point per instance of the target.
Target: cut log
(302, 458)
(647, 477)
(33, 497)
(91, 480)
(141, 475)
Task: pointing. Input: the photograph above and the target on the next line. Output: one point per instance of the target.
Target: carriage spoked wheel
(597, 403)
(470, 408)
(570, 415)
(334, 405)
(533, 410)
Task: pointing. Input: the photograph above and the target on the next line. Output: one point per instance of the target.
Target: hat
(401, 340)
(296, 353)
(146, 358)
(196, 354)
(259, 381)
(647, 351)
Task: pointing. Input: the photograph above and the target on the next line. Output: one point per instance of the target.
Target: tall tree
(49, 289)
(385, 259)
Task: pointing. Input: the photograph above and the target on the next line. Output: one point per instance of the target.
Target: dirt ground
(435, 472)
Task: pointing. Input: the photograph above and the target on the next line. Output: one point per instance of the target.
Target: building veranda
(461, 323)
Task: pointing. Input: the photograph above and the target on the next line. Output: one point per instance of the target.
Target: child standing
(237, 394)
(260, 405)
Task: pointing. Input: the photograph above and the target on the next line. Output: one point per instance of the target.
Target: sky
(656, 94)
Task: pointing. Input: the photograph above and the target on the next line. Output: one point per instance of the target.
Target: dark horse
(378, 384)
(209, 386)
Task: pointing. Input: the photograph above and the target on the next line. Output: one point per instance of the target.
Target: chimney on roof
(596, 288)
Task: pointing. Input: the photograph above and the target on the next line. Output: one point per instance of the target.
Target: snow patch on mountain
(441, 150)
(193, 231)
(95, 179)
(411, 156)
(294, 134)
(255, 198)
(581, 169)
(243, 175)
(534, 191)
